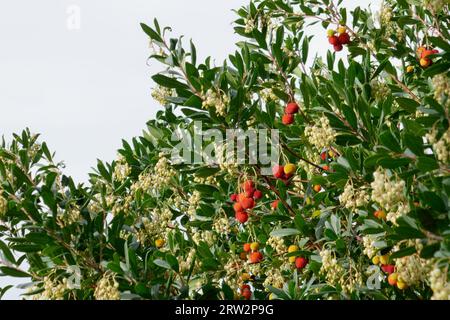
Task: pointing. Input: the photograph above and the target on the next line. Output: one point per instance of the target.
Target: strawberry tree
(356, 207)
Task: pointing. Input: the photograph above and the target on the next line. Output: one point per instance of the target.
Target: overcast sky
(86, 89)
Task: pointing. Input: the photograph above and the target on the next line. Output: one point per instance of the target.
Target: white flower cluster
(369, 249)
(320, 135)
(122, 205)
(411, 269)
(194, 201)
(222, 226)
(161, 94)
(157, 179)
(122, 170)
(267, 95)
(277, 243)
(226, 160)
(352, 198)
(185, 264)
(203, 235)
(441, 147)
(435, 5)
(218, 101)
(211, 180)
(380, 90)
(298, 188)
(53, 289)
(385, 15)
(3, 205)
(441, 84)
(313, 157)
(69, 216)
(249, 25)
(156, 226)
(390, 195)
(107, 288)
(439, 284)
(330, 267)
(274, 278)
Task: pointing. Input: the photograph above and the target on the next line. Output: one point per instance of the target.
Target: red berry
(323, 156)
(278, 171)
(344, 38)
(274, 204)
(233, 197)
(247, 247)
(388, 268)
(248, 185)
(287, 119)
(248, 203)
(238, 207)
(333, 40)
(247, 294)
(249, 193)
(326, 168)
(257, 195)
(256, 257)
(338, 47)
(301, 262)
(242, 217)
(245, 287)
(291, 108)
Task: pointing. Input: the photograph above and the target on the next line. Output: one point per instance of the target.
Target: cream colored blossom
(161, 94)
(274, 278)
(277, 243)
(439, 284)
(214, 100)
(353, 198)
(3, 205)
(380, 90)
(222, 226)
(121, 170)
(330, 267)
(107, 288)
(441, 147)
(320, 135)
(53, 289)
(68, 216)
(369, 249)
(194, 201)
(411, 269)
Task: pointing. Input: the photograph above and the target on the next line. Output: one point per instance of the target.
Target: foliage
(149, 228)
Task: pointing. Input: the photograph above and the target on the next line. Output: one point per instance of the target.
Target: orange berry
(247, 247)
(317, 188)
(287, 119)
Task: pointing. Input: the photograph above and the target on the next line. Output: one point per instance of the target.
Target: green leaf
(14, 272)
(7, 252)
(162, 263)
(403, 252)
(169, 82)
(426, 163)
(284, 232)
(407, 104)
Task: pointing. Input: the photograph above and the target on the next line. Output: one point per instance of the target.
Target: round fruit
(238, 207)
(344, 38)
(424, 62)
(392, 279)
(245, 287)
(420, 50)
(254, 246)
(380, 214)
(247, 247)
(247, 294)
(401, 285)
(317, 188)
(409, 69)
(256, 257)
(291, 108)
(287, 119)
(243, 255)
(426, 53)
(274, 204)
(301, 262)
(289, 169)
(388, 268)
(292, 248)
(384, 259)
(338, 47)
(342, 29)
(248, 185)
(323, 156)
(245, 277)
(233, 197)
(278, 171)
(242, 217)
(241, 197)
(326, 168)
(248, 203)
(159, 243)
(330, 33)
(376, 260)
(257, 195)
(249, 193)
(333, 40)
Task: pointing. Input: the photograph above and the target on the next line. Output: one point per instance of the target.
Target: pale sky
(85, 90)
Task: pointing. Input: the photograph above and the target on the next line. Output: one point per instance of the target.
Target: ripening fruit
(420, 50)
(376, 260)
(333, 40)
(426, 53)
(330, 33)
(274, 204)
(326, 168)
(323, 156)
(238, 207)
(256, 257)
(317, 188)
(424, 62)
(301, 262)
(159, 243)
(257, 195)
(241, 197)
(331, 153)
(380, 214)
(289, 169)
(392, 279)
(233, 197)
(247, 247)
(247, 203)
(243, 255)
(384, 259)
(338, 47)
(344, 38)
(247, 294)
(245, 287)
(242, 217)
(342, 29)
(291, 108)
(254, 246)
(401, 285)
(388, 268)
(245, 276)
(278, 171)
(248, 185)
(409, 69)
(287, 119)
(292, 248)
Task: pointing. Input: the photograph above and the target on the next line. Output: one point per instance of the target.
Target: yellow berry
(289, 169)
(392, 279)
(292, 248)
(376, 260)
(409, 69)
(330, 32)
(254, 246)
(342, 29)
(401, 285)
(159, 243)
(245, 277)
(384, 259)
